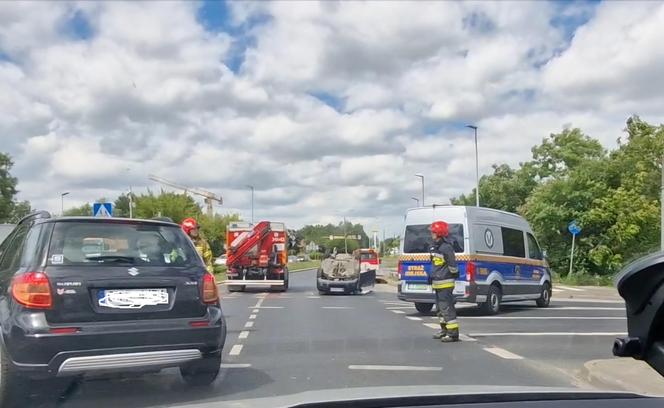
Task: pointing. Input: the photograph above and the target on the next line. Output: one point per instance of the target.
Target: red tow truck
(257, 255)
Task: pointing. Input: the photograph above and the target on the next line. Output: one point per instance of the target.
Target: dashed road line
(234, 365)
(313, 297)
(397, 311)
(336, 307)
(432, 325)
(266, 307)
(252, 317)
(235, 350)
(413, 318)
(498, 334)
(393, 368)
(398, 307)
(249, 325)
(572, 289)
(585, 308)
(254, 311)
(243, 334)
(503, 353)
(586, 300)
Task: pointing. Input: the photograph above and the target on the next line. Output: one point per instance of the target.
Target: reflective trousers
(446, 311)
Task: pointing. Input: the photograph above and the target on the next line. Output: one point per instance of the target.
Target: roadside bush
(585, 279)
(316, 256)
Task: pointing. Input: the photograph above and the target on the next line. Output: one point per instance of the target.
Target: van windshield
(418, 238)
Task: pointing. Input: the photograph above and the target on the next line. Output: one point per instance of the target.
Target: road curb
(623, 374)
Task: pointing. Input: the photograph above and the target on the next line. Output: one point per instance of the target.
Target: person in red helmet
(444, 272)
(190, 227)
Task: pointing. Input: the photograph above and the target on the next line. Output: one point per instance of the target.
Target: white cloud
(151, 92)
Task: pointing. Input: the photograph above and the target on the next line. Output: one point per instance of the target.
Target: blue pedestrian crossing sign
(102, 209)
(573, 228)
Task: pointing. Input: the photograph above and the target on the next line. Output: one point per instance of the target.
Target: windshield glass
(94, 243)
(417, 238)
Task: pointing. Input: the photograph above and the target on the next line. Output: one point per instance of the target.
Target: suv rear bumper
(334, 286)
(115, 346)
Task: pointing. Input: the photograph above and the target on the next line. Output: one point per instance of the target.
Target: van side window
(534, 251)
(513, 242)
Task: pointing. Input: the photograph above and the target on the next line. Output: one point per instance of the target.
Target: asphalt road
(281, 343)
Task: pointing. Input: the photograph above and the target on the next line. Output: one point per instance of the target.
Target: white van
(498, 255)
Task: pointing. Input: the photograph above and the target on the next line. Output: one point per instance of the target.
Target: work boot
(451, 337)
(442, 333)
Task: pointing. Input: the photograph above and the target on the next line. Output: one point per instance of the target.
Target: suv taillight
(470, 272)
(31, 289)
(210, 292)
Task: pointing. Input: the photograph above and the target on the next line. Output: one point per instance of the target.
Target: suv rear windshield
(96, 243)
(418, 238)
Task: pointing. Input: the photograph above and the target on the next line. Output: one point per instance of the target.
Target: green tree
(20, 210)
(83, 210)
(166, 204)
(7, 188)
(214, 230)
(564, 151)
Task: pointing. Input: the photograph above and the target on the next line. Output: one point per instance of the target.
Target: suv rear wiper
(112, 258)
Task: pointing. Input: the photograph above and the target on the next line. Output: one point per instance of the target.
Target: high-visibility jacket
(203, 249)
(443, 264)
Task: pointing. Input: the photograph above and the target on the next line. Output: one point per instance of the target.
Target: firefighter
(190, 227)
(443, 274)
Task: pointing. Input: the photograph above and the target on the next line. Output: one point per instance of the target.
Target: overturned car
(341, 273)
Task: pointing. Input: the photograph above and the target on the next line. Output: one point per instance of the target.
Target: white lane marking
(586, 308)
(432, 325)
(542, 318)
(336, 307)
(259, 303)
(235, 350)
(266, 307)
(252, 317)
(503, 353)
(254, 311)
(393, 368)
(243, 334)
(248, 325)
(554, 290)
(313, 297)
(413, 318)
(398, 311)
(568, 288)
(585, 300)
(399, 308)
(547, 334)
(236, 365)
(463, 337)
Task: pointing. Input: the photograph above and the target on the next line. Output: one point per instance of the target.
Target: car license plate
(337, 290)
(131, 298)
(420, 287)
(460, 287)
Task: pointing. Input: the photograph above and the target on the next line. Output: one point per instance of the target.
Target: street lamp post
(252, 203)
(477, 169)
(62, 202)
(421, 176)
(417, 200)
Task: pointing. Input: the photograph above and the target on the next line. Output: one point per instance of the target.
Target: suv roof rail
(37, 215)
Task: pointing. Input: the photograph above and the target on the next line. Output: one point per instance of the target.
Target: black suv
(83, 295)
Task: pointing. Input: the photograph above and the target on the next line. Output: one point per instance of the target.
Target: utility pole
(571, 257)
(252, 203)
(661, 210)
(345, 236)
(421, 176)
(131, 203)
(62, 202)
(477, 168)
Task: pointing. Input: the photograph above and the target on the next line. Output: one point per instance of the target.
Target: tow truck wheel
(424, 308)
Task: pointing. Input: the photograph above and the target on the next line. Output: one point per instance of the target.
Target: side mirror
(545, 255)
(641, 284)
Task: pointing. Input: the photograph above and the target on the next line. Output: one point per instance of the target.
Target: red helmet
(439, 228)
(189, 224)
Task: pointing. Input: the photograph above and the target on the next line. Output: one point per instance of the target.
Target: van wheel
(545, 296)
(13, 387)
(424, 308)
(493, 298)
(202, 372)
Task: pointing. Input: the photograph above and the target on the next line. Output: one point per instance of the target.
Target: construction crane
(209, 197)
